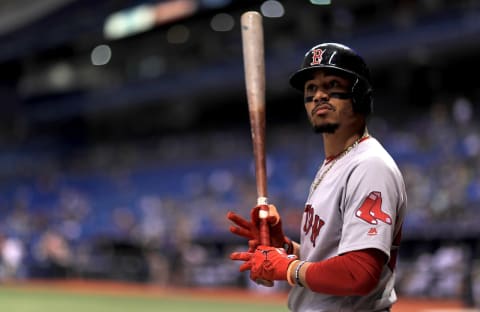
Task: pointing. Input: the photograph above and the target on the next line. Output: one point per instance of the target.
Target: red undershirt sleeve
(351, 274)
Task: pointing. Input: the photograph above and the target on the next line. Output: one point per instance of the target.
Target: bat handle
(264, 232)
(264, 226)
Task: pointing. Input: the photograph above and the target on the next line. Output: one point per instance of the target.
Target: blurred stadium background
(124, 134)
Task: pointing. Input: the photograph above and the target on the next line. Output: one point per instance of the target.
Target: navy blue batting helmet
(343, 59)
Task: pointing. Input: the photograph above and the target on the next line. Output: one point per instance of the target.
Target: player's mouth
(322, 109)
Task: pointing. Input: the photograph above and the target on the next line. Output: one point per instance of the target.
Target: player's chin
(325, 127)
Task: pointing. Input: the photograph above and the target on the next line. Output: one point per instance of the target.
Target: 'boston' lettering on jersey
(312, 222)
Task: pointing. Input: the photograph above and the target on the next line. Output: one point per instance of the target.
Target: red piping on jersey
(355, 273)
(329, 159)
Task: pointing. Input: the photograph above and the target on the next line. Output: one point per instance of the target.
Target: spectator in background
(11, 257)
(54, 255)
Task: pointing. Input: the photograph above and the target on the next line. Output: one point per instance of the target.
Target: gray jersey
(359, 203)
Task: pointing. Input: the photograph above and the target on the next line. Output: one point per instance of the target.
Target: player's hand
(266, 263)
(250, 229)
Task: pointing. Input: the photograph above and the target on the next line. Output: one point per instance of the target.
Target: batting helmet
(341, 58)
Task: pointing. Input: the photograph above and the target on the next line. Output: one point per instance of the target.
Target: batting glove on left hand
(266, 263)
(251, 229)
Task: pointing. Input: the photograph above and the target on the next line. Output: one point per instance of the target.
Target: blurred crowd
(155, 209)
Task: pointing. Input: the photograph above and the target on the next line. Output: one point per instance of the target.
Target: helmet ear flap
(362, 100)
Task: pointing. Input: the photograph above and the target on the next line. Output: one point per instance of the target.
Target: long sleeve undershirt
(351, 274)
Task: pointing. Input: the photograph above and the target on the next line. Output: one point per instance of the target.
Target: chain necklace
(332, 162)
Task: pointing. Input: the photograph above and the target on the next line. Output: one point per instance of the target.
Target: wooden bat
(254, 65)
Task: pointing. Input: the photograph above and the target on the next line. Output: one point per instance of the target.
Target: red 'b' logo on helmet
(317, 56)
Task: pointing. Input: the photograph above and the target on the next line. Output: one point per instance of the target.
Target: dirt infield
(223, 294)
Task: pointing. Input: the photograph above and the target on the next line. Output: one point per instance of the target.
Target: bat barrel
(253, 56)
(254, 65)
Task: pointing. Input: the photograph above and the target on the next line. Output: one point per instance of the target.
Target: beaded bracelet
(297, 273)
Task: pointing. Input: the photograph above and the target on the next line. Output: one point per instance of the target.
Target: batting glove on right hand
(265, 263)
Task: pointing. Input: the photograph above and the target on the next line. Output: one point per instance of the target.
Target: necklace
(331, 161)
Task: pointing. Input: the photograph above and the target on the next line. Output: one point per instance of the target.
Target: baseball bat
(254, 65)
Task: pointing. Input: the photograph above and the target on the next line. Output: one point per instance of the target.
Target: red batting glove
(251, 229)
(266, 263)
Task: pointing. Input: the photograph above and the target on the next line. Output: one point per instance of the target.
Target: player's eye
(332, 84)
(310, 88)
(335, 85)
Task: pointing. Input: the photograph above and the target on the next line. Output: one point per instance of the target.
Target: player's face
(326, 109)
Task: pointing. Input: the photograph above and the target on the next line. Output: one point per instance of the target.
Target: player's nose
(320, 96)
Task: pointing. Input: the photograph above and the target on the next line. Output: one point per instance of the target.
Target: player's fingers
(245, 266)
(252, 245)
(238, 220)
(241, 232)
(254, 214)
(273, 216)
(273, 220)
(242, 256)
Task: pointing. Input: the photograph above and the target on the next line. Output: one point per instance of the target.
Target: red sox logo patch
(371, 210)
(317, 56)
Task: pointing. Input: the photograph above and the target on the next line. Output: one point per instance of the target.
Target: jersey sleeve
(370, 204)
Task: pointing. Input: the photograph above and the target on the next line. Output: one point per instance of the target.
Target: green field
(24, 300)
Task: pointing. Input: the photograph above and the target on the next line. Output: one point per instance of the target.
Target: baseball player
(353, 215)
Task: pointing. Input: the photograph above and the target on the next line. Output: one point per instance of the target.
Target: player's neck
(336, 143)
